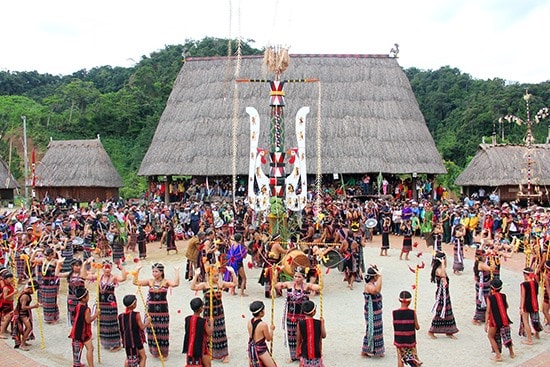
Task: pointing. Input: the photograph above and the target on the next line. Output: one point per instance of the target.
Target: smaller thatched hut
(502, 169)
(80, 170)
(8, 184)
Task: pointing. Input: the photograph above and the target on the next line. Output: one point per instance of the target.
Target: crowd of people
(91, 246)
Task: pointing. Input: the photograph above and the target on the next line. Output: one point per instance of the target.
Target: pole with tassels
(98, 305)
(38, 314)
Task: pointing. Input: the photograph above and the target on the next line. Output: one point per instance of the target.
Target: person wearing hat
(197, 332)
(443, 321)
(297, 294)
(22, 317)
(529, 307)
(6, 311)
(81, 332)
(373, 341)
(405, 324)
(212, 290)
(497, 322)
(131, 330)
(259, 333)
(311, 333)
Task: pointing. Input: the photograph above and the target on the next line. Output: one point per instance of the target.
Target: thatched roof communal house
(370, 119)
(8, 184)
(79, 170)
(503, 169)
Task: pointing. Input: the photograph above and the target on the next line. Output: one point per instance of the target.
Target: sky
(487, 39)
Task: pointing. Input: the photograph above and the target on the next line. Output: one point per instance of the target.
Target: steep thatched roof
(77, 163)
(370, 120)
(7, 181)
(499, 165)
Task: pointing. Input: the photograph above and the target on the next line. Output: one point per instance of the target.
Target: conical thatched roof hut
(369, 117)
(77, 169)
(7, 184)
(504, 168)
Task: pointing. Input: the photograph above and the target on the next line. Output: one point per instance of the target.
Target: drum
(331, 259)
(370, 223)
(293, 259)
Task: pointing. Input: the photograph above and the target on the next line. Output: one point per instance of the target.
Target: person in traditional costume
(311, 333)
(6, 311)
(235, 259)
(131, 330)
(197, 332)
(373, 341)
(49, 284)
(546, 298)
(482, 281)
(109, 334)
(271, 253)
(81, 331)
(458, 249)
(297, 293)
(497, 322)
(405, 324)
(76, 278)
(407, 232)
(157, 306)
(192, 254)
(443, 321)
(529, 307)
(213, 306)
(259, 333)
(22, 317)
(386, 228)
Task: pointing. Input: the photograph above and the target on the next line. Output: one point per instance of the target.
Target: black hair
(436, 262)
(196, 304)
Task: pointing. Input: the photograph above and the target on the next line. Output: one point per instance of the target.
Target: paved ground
(470, 348)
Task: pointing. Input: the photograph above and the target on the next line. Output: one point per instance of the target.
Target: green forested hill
(123, 106)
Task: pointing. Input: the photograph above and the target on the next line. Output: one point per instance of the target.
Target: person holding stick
(158, 334)
(197, 332)
(81, 332)
(297, 293)
(405, 324)
(212, 290)
(259, 333)
(22, 320)
(132, 332)
(497, 322)
(310, 334)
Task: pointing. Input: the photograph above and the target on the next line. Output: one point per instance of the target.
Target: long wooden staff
(38, 315)
(320, 273)
(98, 320)
(151, 326)
(272, 302)
(211, 302)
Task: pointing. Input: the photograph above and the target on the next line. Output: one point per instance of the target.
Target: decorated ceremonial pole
(529, 139)
(38, 315)
(416, 271)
